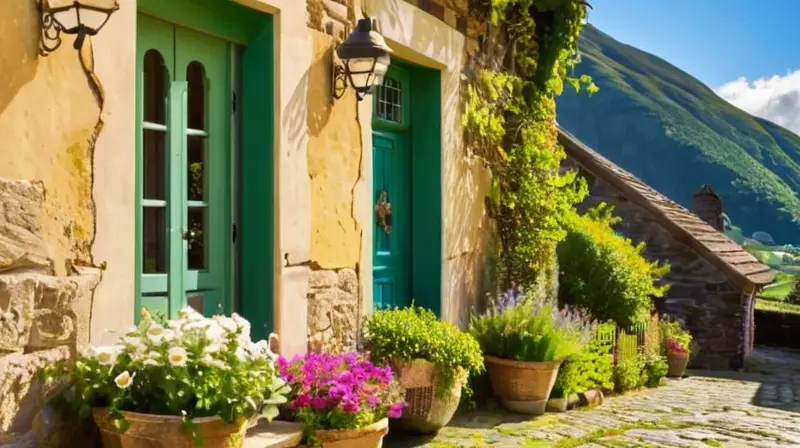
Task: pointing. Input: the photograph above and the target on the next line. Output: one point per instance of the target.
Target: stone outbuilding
(713, 279)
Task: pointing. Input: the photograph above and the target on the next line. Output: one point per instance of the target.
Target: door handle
(383, 213)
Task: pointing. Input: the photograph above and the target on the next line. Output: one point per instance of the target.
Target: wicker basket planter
(522, 387)
(677, 364)
(154, 431)
(427, 409)
(370, 436)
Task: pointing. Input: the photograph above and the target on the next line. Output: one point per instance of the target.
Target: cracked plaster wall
(54, 226)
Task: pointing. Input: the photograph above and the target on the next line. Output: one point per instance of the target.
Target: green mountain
(675, 133)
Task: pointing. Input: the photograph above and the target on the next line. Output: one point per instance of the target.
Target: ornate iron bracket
(383, 213)
(51, 35)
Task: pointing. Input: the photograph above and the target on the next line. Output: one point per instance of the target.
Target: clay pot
(370, 436)
(428, 409)
(154, 431)
(522, 387)
(677, 364)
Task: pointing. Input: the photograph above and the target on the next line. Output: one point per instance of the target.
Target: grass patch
(594, 436)
(711, 442)
(776, 306)
(778, 292)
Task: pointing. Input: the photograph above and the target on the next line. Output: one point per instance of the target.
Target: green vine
(509, 119)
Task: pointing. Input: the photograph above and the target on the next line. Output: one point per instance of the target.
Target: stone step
(275, 434)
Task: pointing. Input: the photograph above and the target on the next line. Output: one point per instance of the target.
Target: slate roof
(741, 266)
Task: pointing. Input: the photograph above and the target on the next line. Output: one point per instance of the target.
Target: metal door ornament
(383, 213)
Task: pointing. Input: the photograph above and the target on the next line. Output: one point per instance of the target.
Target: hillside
(673, 132)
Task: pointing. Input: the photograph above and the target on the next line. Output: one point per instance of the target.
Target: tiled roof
(741, 266)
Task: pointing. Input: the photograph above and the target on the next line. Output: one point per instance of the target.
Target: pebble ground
(756, 407)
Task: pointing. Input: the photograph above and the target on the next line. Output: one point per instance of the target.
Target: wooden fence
(626, 343)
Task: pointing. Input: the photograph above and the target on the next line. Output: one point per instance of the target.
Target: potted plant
(432, 360)
(524, 341)
(592, 369)
(677, 343)
(178, 383)
(343, 400)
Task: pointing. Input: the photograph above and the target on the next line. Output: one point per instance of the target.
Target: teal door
(183, 181)
(391, 194)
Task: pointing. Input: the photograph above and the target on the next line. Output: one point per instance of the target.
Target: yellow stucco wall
(49, 118)
(334, 164)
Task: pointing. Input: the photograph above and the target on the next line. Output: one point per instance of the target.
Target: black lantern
(365, 58)
(80, 17)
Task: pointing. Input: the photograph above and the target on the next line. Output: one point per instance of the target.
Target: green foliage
(191, 367)
(672, 330)
(415, 333)
(532, 330)
(794, 296)
(682, 126)
(605, 273)
(630, 374)
(592, 368)
(655, 368)
(509, 119)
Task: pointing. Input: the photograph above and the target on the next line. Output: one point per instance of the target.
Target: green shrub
(605, 273)
(630, 374)
(794, 296)
(530, 330)
(655, 368)
(415, 333)
(592, 368)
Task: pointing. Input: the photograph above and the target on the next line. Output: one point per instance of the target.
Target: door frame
(423, 122)
(254, 32)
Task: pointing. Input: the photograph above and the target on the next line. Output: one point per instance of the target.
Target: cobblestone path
(757, 408)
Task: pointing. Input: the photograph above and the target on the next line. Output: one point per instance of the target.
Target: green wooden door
(391, 259)
(391, 171)
(184, 150)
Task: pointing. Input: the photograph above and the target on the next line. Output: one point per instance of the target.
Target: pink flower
(351, 406)
(396, 410)
(372, 401)
(319, 403)
(302, 401)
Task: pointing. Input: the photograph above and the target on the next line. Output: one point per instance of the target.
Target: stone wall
(333, 310)
(715, 311)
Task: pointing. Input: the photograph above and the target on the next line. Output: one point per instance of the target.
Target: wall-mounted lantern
(80, 17)
(365, 58)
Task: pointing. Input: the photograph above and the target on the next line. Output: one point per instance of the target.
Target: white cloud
(776, 98)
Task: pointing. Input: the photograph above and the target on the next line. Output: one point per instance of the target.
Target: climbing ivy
(509, 119)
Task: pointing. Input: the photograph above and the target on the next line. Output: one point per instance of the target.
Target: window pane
(156, 77)
(389, 98)
(196, 159)
(197, 235)
(196, 76)
(155, 167)
(195, 300)
(155, 240)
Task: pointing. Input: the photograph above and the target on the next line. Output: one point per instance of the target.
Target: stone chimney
(708, 206)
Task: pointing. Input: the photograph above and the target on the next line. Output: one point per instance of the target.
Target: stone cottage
(193, 152)
(713, 280)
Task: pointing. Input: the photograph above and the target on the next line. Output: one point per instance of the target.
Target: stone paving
(758, 407)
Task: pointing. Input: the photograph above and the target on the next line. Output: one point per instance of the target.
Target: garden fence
(626, 343)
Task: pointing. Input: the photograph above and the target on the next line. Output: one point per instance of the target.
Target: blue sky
(715, 40)
(748, 51)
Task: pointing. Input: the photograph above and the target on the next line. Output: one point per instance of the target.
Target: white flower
(150, 362)
(214, 332)
(210, 361)
(106, 356)
(214, 347)
(244, 325)
(189, 314)
(242, 354)
(177, 356)
(124, 380)
(226, 323)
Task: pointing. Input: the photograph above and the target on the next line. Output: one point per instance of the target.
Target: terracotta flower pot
(677, 364)
(370, 436)
(427, 408)
(153, 431)
(522, 387)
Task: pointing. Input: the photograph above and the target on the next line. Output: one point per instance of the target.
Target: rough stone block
(21, 394)
(322, 279)
(21, 246)
(16, 312)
